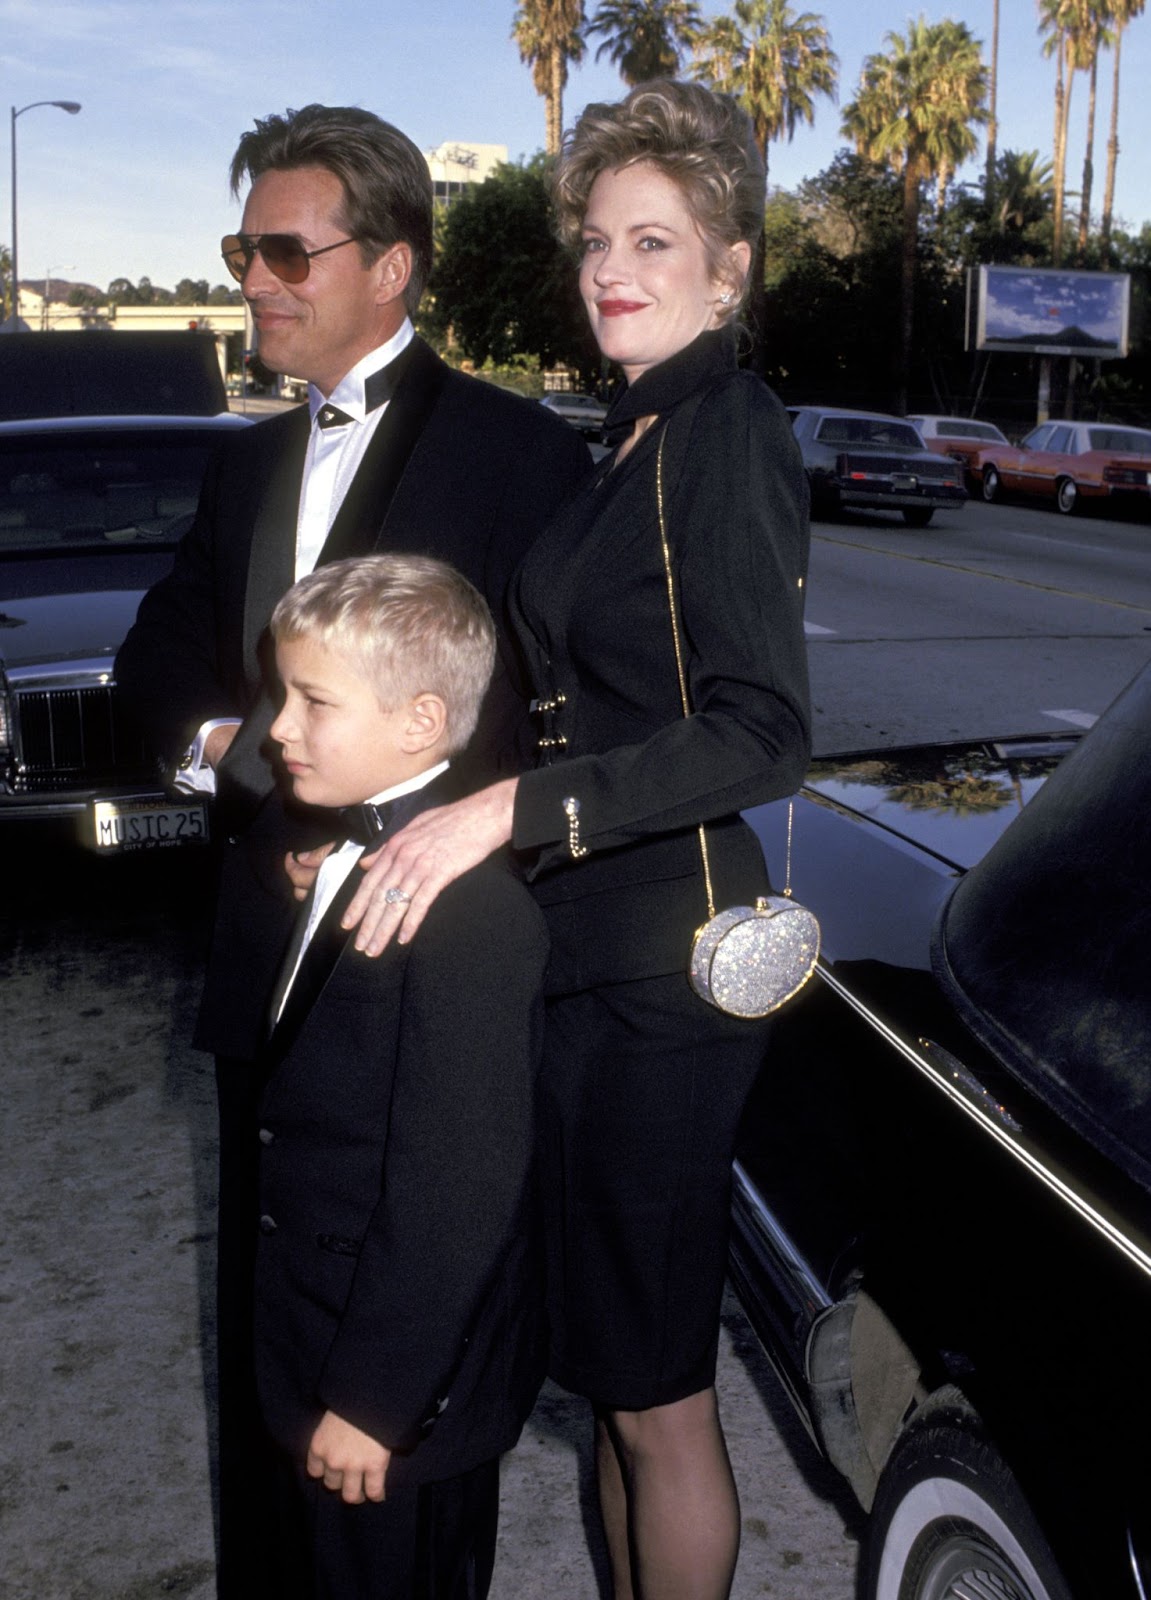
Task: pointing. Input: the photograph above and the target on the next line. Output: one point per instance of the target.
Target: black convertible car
(943, 1192)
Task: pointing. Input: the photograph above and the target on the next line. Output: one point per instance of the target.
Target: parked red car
(1071, 463)
(961, 438)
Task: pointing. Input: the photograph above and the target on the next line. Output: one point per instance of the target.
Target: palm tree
(549, 34)
(1023, 186)
(916, 112)
(1074, 30)
(1122, 12)
(992, 106)
(645, 39)
(1051, 23)
(774, 62)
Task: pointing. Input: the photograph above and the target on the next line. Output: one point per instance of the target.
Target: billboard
(1046, 311)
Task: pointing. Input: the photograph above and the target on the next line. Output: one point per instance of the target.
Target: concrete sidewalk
(106, 1265)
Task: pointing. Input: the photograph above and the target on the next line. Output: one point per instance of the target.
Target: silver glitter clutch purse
(747, 960)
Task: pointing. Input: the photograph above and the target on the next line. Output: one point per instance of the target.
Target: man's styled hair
(412, 625)
(386, 181)
(701, 140)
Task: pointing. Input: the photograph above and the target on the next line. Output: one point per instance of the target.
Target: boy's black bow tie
(378, 387)
(364, 823)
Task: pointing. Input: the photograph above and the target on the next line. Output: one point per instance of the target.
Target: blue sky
(136, 184)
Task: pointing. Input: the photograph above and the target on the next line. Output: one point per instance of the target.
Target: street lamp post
(71, 107)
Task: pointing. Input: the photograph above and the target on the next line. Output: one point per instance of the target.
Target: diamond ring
(396, 897)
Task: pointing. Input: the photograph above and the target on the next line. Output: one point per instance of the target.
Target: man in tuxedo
(398, 1316)
(393, 451)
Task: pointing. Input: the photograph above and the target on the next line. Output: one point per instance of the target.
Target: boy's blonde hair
(411, 624)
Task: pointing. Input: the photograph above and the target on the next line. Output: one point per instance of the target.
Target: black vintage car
(943, 1190)
(867, 461)
(91, 510)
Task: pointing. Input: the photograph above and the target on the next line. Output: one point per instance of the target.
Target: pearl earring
(725, 298)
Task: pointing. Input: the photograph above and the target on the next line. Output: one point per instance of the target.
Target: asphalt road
(995, 620)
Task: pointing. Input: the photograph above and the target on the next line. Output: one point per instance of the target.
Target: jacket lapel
(330, 940)
(361, 519)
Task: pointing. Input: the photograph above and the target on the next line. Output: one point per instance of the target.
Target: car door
(1047, 464)
(1015, 466)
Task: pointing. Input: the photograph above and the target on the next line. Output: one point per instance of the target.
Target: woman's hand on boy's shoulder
(350, 1462)
(402, 879)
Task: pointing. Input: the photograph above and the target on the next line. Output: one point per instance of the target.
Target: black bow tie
(378, 387)
(364, 824)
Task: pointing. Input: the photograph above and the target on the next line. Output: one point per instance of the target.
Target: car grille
(75, 738)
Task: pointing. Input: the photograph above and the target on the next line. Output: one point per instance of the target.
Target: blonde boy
(397, 1336)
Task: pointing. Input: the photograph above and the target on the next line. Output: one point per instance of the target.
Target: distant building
(455, 167)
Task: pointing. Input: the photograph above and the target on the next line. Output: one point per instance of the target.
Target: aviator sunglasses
(282, 254)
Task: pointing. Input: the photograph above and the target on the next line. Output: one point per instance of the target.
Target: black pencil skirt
(641, 1092)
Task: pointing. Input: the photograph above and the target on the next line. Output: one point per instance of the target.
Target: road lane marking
(813, 627)
(1077, 719)
(991, 577)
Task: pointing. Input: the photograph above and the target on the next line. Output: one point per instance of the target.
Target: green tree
(123, 292)
(5, 279)
(502, 284)
(992, 106)
(645, 39)
(549, 34)
(1123, 12)
(191, 292)
(1072, 32)
(774, 62)
(84, 297)
(916, 112)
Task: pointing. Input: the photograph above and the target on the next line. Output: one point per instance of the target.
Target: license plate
(119, 825)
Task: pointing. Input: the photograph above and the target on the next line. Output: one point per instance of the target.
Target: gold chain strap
(686, 703)
(683, 695)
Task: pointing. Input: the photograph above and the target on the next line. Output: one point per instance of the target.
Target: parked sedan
(865, 460)
(91, 510)
(942, 1213)
(583, 411)
(1073, 463)
(961, 438)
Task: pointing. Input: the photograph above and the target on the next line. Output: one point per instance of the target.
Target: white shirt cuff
(194, 775)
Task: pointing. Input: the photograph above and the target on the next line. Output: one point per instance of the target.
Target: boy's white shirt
(335, 867)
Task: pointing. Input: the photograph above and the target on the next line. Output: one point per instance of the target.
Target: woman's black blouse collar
(661, 387)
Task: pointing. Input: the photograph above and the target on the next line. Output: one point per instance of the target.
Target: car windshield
(868, 430)
(1126, 440)
(99, 489)
(968, 430)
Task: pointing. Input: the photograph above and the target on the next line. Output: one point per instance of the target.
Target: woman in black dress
(643, 1082)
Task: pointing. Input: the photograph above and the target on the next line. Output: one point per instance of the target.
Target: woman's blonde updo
(702, 141)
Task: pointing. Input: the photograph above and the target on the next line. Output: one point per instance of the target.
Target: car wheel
(950, 1521)
(918, 516)
(1067, 496)
(991, 487)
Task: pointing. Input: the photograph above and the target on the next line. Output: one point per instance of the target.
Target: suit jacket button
(267, 1136)
(267, 1224)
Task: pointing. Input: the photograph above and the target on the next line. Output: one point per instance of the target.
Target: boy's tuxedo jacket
(397, 1280)
(457, 469)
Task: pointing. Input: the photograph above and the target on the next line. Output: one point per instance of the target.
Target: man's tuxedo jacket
(396, 1279)
(457, 469)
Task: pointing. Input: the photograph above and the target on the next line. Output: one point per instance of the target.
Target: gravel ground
(106, 1266)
